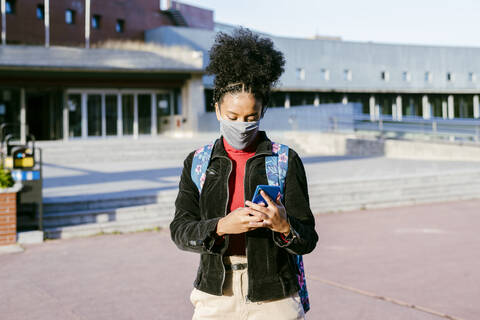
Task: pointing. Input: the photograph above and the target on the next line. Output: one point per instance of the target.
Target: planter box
(8, 214)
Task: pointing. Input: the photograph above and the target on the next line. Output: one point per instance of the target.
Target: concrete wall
(350, 144)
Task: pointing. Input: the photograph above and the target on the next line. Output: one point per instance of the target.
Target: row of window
(70, 16)
(385, 75)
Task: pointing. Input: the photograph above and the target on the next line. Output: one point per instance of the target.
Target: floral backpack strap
(200, 162)
(276, 166)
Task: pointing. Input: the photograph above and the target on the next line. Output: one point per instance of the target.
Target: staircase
(91, 210)
(177, 17)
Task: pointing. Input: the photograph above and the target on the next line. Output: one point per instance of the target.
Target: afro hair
(244, 61)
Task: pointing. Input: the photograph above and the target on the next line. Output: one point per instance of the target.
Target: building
(27, 21)
(388, 79)
(114, 73)
(118, 86)
(66, 92)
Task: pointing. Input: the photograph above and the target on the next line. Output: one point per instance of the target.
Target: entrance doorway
(44, 114)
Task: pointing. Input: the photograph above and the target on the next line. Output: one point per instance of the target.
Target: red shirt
(236, 245)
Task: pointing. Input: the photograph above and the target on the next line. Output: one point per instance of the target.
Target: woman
(247, 267)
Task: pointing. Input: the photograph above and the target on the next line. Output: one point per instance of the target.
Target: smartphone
(272, 192)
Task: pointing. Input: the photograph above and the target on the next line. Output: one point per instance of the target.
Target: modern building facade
(74, 86)
(61, 90)
(389, 80)
(64, 93)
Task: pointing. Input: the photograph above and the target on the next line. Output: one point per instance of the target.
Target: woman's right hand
(240, 220)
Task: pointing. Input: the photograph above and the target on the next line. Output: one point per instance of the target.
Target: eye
(231, 118)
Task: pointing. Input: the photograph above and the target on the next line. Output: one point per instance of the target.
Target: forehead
(240, 103)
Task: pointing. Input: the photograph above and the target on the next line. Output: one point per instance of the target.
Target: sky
(431, 22)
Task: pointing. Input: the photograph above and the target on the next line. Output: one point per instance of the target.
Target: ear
(217, 111)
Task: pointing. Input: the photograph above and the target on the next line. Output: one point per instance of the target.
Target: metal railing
(433, 128)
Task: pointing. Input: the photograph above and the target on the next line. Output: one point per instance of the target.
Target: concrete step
(331, 207)
(424, 180)
(398, 191)
(132, 213)
(128, 150)
(90, 229)
(93, 214)
(137, 218)
(99, 202)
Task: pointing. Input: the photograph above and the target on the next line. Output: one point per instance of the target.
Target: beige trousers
(233, 304)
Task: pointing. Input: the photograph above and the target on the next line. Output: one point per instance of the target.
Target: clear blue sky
(437, 22)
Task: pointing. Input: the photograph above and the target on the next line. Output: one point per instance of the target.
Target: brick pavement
(425, 255)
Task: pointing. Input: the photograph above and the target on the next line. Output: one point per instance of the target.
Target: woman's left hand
(276, 215)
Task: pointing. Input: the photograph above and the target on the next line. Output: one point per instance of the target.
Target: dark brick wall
(139, 15)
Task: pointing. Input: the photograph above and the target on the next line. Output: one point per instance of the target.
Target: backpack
(276, 167)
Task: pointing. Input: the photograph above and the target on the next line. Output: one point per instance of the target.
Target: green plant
(6, 180)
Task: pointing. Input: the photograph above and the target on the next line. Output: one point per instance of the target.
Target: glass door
(111, 114)
(74, 102)
(164, 110)
(127, 113)
(144, 113)
(94, 114)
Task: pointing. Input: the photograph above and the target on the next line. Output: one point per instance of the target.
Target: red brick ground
(424, 255)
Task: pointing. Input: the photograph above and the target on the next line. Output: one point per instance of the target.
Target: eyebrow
(248, 115)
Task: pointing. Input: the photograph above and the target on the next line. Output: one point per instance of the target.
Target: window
(450, 77)
(325, 74)
(70, 16)
(300, 73)
(347, 74)
(120, 26)
(385, 76)
(40, 11)
(428, 77)
(96, 21)
(406, 76)
(472, 77)
(10, 6)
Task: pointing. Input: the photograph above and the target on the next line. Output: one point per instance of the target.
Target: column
(193, 102)
(119, 115)
(426, 112)
(4, 22)
(173, 121)
(65, 117)
(371, 103)
(316, 101)
(476, 107)
(154, 115)
(84, 115)
(46, 21)
(23, 117)
(287, 101)
(398, 102)
(451, 106)
(87, 23)
(444, 110)
(135, 116)
(104, 117)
